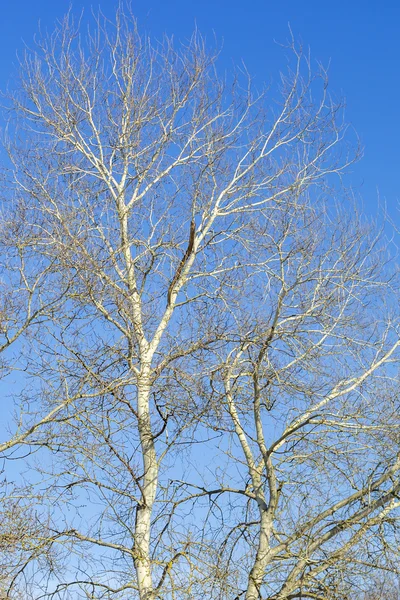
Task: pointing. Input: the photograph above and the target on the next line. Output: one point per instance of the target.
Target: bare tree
(215, 399)
(32, 290)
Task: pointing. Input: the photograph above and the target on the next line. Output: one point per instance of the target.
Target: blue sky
(360, 41)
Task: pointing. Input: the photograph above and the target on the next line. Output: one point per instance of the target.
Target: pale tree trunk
(149, 488)
(266, 512)
(261, 560)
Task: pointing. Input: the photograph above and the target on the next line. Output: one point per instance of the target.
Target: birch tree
(214, 400)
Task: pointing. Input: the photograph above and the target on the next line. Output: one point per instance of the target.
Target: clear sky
(359, 39)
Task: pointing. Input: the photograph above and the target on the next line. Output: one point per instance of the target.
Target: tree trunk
(261, 560)
(149, 488)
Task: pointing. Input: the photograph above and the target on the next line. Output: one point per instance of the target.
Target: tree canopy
(199, 328)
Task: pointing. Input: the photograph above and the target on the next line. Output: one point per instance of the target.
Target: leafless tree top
(209, 330)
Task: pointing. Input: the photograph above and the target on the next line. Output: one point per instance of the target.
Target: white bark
(257, 573)
(149, 489)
